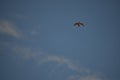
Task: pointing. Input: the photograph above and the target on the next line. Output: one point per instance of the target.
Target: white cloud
(8, 28)
(73, 77)
(85, 74)
(93, 77)
(27, 53)
(41, 58)
(64, 61)
(24, 53)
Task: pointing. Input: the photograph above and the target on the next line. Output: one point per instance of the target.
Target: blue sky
(38, 40)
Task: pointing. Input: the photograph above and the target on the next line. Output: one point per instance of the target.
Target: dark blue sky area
(39, 41)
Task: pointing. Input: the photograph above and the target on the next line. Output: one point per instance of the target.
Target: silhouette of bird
(79, 24)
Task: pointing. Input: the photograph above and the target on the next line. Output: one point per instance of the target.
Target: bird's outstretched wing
(76, 24)
(79, 24)
(82, 24)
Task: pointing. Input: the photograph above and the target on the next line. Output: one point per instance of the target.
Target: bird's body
(79, 24)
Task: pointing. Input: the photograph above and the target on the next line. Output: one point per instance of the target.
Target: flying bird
(79, 24)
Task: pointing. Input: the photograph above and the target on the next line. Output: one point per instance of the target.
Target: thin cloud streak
(41, 58)
(67, 62)
(93, 77)
(9, 28)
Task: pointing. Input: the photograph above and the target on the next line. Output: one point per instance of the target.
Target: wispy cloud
(93, 77)
(64, 61)
(83, 73)
(9, 28)
(26, 53)
(28, 20)
(41, 58)
(74, 77)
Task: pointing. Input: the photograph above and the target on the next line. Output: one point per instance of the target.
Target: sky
(38, 40)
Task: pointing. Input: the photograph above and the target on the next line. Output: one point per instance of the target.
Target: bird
(79, 24)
